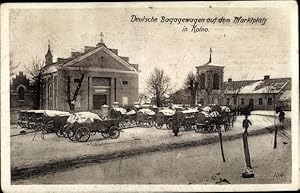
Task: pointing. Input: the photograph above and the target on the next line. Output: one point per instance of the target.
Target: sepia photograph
(153, 96)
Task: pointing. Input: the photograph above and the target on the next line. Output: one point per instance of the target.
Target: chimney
(88, 48)
(75, 54)
(266, 77)
(229, 79)
(125, 58)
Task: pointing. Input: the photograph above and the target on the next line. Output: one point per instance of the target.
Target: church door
(99, 100)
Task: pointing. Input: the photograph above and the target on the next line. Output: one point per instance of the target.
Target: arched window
(50, 91)
(202, 81)
(21, 93)
(216, 81)
(201, 101)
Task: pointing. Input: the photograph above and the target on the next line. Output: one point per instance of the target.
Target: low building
(87, 80)
(263, 94)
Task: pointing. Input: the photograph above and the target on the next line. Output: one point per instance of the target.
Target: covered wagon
(84, 124)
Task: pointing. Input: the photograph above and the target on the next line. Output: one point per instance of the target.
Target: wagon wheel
(82, 134)
(133, 122)
(122, 124)
(64, 131)
(149, 122)
(169, 123)
(198, 128)
(59, 133)
(71, 134)
(158, 125)
(114, 132)
(226, 126)
(105, 133)
(188, 126)
(93, 132)
(38, 126)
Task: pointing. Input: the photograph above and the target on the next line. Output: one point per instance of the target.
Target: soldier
(175, 126)
(246, 123)
(281, 116)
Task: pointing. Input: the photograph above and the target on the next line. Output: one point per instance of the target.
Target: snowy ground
(28, 153)
(288, 114)
(196, 165)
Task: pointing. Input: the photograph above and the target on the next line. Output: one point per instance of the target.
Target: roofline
(258, 79)
(79, 58)
(96, 69)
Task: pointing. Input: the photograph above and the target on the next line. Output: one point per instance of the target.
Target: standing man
(246, 123)
(175, 126)
(281, 116)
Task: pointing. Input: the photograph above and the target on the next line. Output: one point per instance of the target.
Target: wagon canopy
(132, 112)
(207, 109)
(190, 111)
(225, 109)
(121, 110)
(83, 117)
(147, 111)
(52, 113)
(167, 112)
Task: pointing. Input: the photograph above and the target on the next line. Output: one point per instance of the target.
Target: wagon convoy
(81, 126)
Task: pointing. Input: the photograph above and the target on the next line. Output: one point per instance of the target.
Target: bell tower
(48, 55)
(210, 78)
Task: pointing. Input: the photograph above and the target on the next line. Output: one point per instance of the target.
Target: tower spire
(48, 55)
(210, 51)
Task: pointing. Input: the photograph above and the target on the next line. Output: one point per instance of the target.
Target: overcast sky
(255, 49)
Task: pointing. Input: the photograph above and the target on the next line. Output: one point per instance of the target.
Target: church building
(88, 80)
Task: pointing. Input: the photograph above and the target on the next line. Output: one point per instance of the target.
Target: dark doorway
(251, 104)
(98, 101)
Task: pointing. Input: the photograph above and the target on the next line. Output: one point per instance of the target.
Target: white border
(5, 118)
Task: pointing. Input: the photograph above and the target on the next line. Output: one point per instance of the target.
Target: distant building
(21, 96)
(107, 78)
(262, 94)
(21, 92)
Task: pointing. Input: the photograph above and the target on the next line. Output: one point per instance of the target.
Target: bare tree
(158, 85)
(12, 67)
(234, 89)
(34, 69)
(191, 83)
(72, 87)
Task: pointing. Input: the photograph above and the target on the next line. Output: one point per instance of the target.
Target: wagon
(185, 119)
(130, 118)
(119, 114)
(80, 126)
(227, 118)
(206, 122)
(145, 117)
(23, 119)
(163, 117)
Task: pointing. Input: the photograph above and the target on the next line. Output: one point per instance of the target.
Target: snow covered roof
(286, 96)
(256, 86)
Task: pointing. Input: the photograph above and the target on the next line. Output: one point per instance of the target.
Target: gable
(101, 58)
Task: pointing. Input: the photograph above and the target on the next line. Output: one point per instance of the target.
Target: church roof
(76, 57)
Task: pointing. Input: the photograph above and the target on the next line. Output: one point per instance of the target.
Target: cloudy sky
(243, 48)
